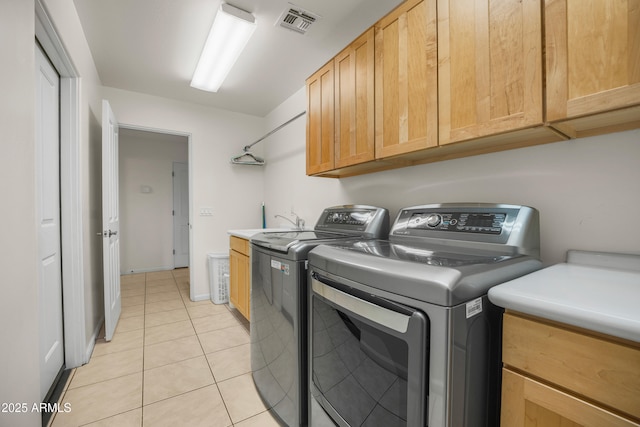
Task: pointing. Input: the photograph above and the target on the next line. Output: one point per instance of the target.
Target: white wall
(146, 222)
(19, 373)
(234, 192)
(585, 189)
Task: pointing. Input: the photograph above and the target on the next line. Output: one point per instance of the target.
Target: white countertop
(595, 291)
(248, 233)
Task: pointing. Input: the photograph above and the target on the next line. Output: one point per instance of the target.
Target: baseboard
(92, 341)
(201, 297)
(146, 270)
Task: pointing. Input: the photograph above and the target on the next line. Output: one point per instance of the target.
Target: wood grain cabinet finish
(239, 275)
(490, 67)
(354, 102)
(558, 375)
(406, 80)
(592, 65)
(320, 121)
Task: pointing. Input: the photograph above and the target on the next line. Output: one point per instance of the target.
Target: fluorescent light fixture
(231, 30)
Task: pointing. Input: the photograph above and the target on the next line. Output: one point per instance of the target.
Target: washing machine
(278, 325)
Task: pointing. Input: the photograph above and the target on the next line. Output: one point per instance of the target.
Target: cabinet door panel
(528, 403)
(320, 120)
(490, 67)
(406, 79)
(354, 68)
(593, 56)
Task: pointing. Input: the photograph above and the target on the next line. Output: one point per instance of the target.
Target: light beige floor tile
(121, 341)
(161, 288)
(264, 419)
(102, 400)
(161, 282)
(132, 311)
(168, 332)
(155, 307)
(213, 323)
(131, 291)
(223, 339)
(132, 300)
(164, 296)
(241, 397)
(231, 362)
(199, 408)
(164, 317)
(132, 278)
(180, 272)
(109, 366)
(127, 419)
(158, 275)
(176, 378)
(130, 324)
(187, 300)
(173, 351)
(204, 310)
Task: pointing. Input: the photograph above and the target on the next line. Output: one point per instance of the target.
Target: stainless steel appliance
(402, 332)
(279, 303)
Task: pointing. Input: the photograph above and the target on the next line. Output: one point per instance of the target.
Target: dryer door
(368, 357)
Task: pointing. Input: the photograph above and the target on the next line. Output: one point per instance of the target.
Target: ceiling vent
(296, 19)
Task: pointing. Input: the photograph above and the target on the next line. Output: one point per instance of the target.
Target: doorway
(147, 207)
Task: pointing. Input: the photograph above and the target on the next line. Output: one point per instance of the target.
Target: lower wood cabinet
(239, 275)
(559, 376)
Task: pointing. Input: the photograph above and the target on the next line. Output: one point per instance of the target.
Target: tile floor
(171, 362)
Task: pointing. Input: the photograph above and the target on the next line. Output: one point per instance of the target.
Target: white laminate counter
(595, 291)
(248, 233)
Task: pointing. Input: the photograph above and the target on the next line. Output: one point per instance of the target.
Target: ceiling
(153, 46)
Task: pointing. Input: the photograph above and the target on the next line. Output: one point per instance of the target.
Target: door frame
(174, 210)
(190, 174)
(70, 191)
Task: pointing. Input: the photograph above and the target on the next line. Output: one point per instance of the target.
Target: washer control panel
(361, 220)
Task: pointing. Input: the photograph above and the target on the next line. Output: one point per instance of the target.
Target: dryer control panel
(469, 222)
(502, 227)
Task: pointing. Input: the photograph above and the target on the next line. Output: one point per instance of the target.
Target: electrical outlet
(206, 211)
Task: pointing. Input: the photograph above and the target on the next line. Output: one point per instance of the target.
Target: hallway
(171, 362)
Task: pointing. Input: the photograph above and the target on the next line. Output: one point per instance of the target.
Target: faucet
(299, 222)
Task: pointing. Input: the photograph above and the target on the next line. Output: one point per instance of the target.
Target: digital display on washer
(485, 223)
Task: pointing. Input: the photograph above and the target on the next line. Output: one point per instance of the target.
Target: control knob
(434, 220)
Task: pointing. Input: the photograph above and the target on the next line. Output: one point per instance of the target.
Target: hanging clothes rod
(247, 147)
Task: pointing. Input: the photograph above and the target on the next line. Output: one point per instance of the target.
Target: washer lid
(438, 274)
(282, 241)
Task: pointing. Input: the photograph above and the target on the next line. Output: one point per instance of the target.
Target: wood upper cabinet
(320, 120)
(592, 65)
(490, 67)
(354, 102)
(406, 81)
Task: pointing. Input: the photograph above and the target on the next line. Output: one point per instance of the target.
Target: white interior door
(110, 220)
(48, 217)
(180, 215)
